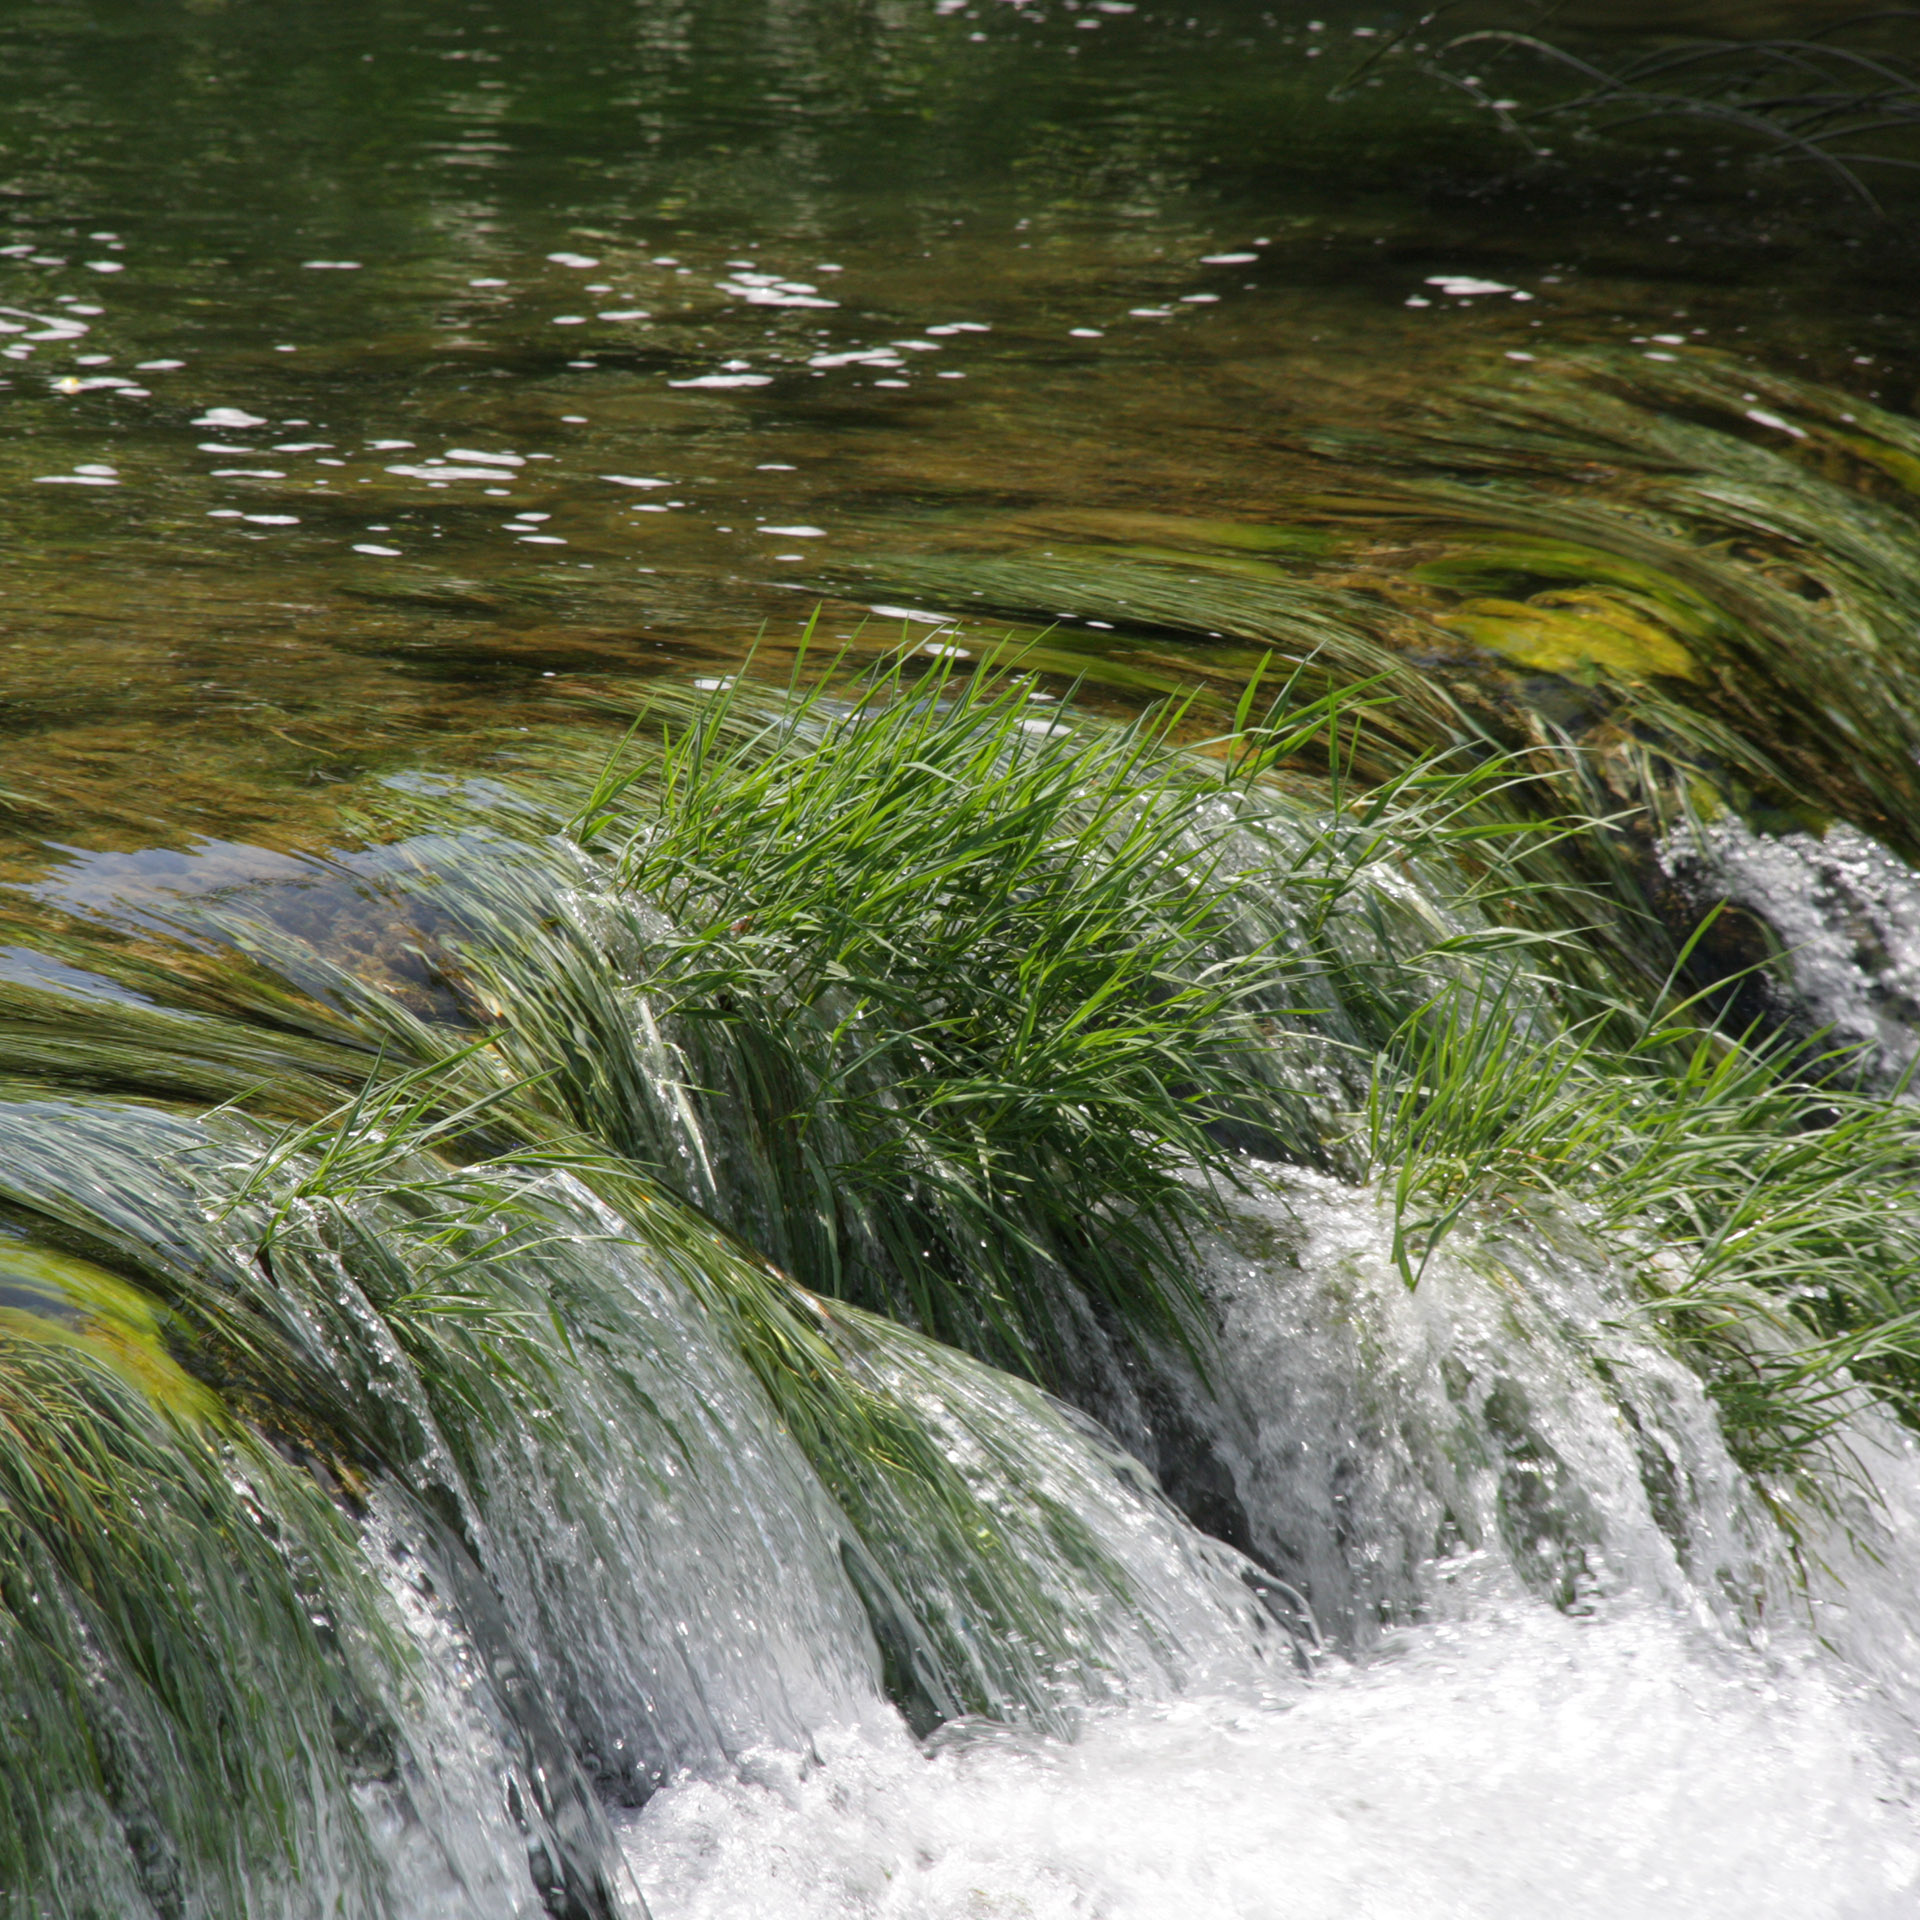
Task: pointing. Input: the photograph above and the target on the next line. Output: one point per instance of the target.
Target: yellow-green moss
(54, 1299)
(1573, 633)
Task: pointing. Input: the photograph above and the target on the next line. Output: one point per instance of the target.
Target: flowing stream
(587, 1504)
(1674, 1737)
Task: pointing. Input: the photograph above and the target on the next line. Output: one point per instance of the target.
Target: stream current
(1638, 1749)
(388, 386)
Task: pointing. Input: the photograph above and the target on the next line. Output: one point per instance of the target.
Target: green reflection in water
(844, 281)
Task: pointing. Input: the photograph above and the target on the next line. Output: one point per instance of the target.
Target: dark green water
(547, 208)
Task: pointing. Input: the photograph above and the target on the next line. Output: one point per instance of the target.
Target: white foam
(1514, 1764)
(1846, 910)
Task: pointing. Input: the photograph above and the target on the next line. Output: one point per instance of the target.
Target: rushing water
(391, 391)
(1670, 1740)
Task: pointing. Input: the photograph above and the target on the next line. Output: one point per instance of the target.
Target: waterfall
(1595, 1673)
(469, 1450)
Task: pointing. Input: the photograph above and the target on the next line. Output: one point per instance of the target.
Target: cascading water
(615, 1573)
(1228, 1225)
(1844, 911)
(1596, 1673)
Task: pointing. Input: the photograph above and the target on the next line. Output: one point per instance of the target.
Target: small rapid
(1499, 1764)
(1581, 1666)
(1226, 1226)
(641, 1389)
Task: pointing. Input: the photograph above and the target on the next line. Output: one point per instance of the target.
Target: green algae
(1583, 636)
(58, 1299)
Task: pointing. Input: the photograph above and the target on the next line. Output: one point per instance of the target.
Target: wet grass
(1838, 100)
(957, 1010)
(193, 1687)
(1770, 1213)
(849, 973)
(912, 1017)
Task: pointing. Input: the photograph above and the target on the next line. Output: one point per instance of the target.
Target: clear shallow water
(267, 275)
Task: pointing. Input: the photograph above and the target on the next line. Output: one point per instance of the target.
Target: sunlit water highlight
(379, 388)
(1503, 1765)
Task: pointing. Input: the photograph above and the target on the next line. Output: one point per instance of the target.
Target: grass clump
(958, 1011)
(815, 1042)
(965, 973)
(1769, 1211)
(966, 1014)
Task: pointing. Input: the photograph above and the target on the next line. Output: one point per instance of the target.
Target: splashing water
(1606, 1696)
(1845, 910)
(1493, 1767)
(636, 1567)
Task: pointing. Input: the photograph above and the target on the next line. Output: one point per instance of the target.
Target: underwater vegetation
(605, 1268)
(1682, 586)
(1837, 96)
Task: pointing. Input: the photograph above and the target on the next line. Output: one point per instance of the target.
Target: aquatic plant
(716, 1105)
(799, 933)
(1677, 583)
(1808, 99)
(1768, 1211)
(955, 1008)
(199, 1693)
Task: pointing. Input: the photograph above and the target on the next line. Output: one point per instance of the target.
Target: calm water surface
(382, 380)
